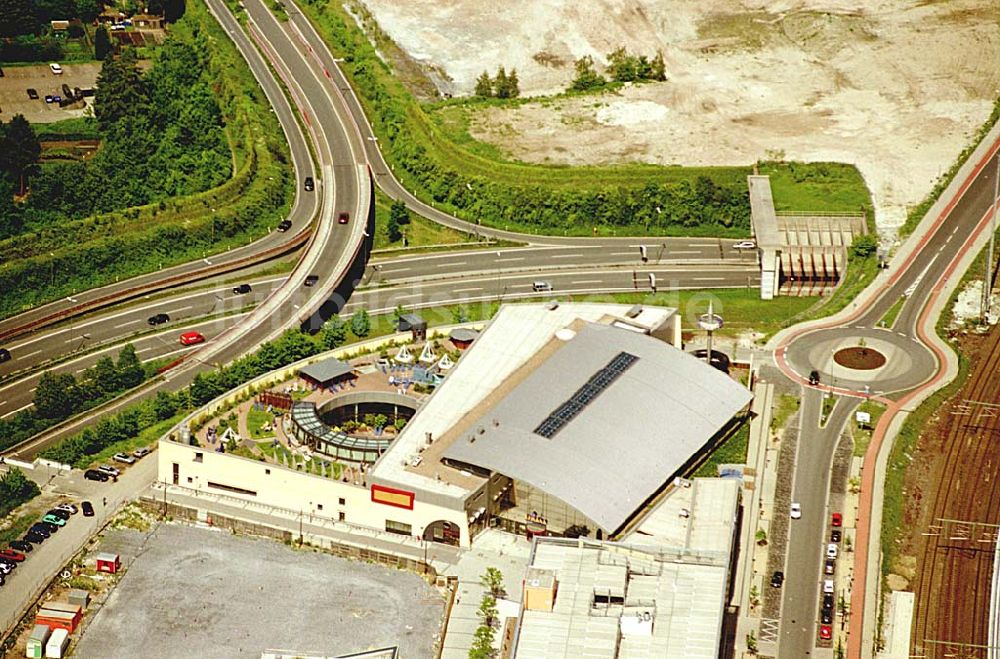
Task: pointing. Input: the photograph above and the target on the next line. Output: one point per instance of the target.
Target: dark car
(777, 578)
(4, 355)
(94, 475)
(311, 280)
(57, 98)
(159, 319)
(48, 525)
(828, 601)
(33, 94)
(344, 217)
(835, 536)
(284, 225)
(309, 185)
(67, 92)
(88, 509)
(814, 377)
(35, 537)
(41, 528)
(242, 289)
(21, 545)
(826, 616)
(829, 566)
(61, 514)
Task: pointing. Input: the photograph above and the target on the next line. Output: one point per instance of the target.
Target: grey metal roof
(463, 334)
(326, 370)
(625, 443)
(410, 321)
(305, 416)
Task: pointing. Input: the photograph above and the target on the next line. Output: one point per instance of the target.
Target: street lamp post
(52, 269)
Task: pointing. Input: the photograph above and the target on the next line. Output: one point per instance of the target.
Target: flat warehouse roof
(603, 422)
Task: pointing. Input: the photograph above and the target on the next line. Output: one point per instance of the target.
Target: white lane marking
(4, 416)
(131, 322)
(173, 311)
(671, 252)
(588, 281)
(384, 269)
(448, 265)
(466, 290)
(565, 256)
(708, 279)
(623, 253)
(505, 260)
(31, 354)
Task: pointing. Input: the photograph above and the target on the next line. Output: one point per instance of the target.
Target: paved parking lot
(195, 592)
(17, 79)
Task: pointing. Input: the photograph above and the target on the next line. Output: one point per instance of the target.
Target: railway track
(953, 580)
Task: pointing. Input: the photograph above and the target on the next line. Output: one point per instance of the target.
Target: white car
(109, 470)
(745, 244)
(796, 511)
(56, 69)
(68, 507)
(123, 457)
(831, 551)
(828, 586)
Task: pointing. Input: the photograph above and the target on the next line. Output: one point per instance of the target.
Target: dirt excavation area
(896, 87)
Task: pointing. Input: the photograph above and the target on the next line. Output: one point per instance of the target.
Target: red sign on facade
(392, 497)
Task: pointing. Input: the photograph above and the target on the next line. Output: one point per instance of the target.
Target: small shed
(35, 648)
(327, 373)
(148, 22)
(462, 337)
(56, 647)
(79, 597)
(415, 324)
(59, 26)
(59, 615)
(107, 562)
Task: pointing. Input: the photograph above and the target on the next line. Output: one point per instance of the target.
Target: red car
(12, 555)
(191, 338)
(825, 633)
(344, 217)
(837, 519)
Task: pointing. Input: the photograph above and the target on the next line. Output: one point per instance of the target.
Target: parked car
(40, 529)
(191, 338)
(12, 555)
(61, 514)
(745, 244)
(831, 551)
(67, 92)
(344, 217)
(777, 578)
(836, 519)
(835, 536)
(828, 586)
(32, 94)
(829, 566)
(284, 225)
(826, 616)
(68, 507)
(49, 98)
(311, 280)
(53, 519)
(309, 184)
(109, 470)
(56, 69)
(88, 509)
(141, 452)
(825, 633)
(6, 568)
(796, 511)
(158, 319)
(814, 377)
(242, 289)
(21, 545)
(123, 457)
(94, 475)
(4, 355)
(35, 537)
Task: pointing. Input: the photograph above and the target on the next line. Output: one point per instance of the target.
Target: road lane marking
(708, 279)
(565, 256)
(466, 290)
(448, 265)
(31, 354)
(521, 258)
(178, 310)
(4, 416)
(588, 281)
(131, 322)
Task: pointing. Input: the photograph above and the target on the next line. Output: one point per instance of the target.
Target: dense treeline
(291, 346)
(198, 97)
(59, 396)
(15, 489)
(623, 66)
(521, 196)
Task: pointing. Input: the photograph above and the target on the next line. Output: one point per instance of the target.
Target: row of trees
(503, 85)
(28, 17)
(15, 489)
(399, 216)
(623, 66)
(291, 346)
(489, 615)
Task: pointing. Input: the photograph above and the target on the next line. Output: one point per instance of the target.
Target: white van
(541, 286)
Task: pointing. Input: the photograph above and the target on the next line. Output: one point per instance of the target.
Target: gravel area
(195, 592)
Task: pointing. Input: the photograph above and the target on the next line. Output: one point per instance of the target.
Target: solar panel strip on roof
(597, 383)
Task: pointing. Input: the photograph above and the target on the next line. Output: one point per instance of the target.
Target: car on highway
(284, 225)
(32, 94)
(21, 545)
(825, 632)
(12, 555)
(831, 551)
(123, 457)
(745, 244)
(56, 69)
(828, 586)
(109, 470)
(4, 355)
(94, 475)
(829, 566)
(796, 511)
(191, 338)
(61, 514)
(158, 319)
(68, 507)
(836, 520)
(55, 520)
(242, 289)
(835, 536)
(88, 509)
(344, 217)
(311, 280)
(814, 377)
(309, 184)
(777, 578)
(541, 286)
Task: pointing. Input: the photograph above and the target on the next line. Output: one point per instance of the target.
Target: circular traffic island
(859, 358)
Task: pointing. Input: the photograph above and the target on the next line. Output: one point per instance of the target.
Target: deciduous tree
(21, 150)
(361, 324)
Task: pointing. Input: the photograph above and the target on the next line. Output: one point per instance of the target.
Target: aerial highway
(919, 274)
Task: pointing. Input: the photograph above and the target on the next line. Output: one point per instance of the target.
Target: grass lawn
(825, 187)
(78, 128)
(17, 528)
(147, 437)
(419, 232)
(786, 406)
(732, 451)
(863, 436)
(256, 419)
(889, 319)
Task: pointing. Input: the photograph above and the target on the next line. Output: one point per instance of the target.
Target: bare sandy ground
(896, 87)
